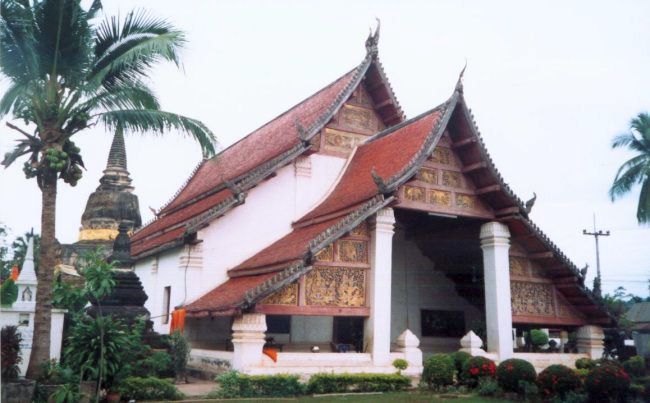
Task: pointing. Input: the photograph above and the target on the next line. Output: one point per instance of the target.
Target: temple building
(342, 226)
(111, 204)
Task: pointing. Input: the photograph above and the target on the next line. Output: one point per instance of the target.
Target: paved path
(196, 387)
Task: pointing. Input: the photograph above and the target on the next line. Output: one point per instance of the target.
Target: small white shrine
(21, 312)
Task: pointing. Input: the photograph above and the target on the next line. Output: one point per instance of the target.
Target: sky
(550, 84)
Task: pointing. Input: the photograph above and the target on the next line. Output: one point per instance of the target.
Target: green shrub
(511, 372)
(66, 393)
(400, 365)
(488, 387)
(438, 371)
(606, 361)
(585, 363)
(635, 366)
(233, 384)
(476, 368)
(607, 382)
(557, 381)
(8, 292)
(180, 352)
(342, 383)
(570, 397)
(148, 388)
(459, 358)
(158, 363)
(10, 340)
(538, 338)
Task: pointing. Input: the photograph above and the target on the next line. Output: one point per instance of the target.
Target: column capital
(384, 220)
(494, 230)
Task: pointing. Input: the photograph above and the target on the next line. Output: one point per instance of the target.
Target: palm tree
(68, 72)
(636, 170)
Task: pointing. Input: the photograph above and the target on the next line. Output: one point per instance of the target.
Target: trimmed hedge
(148, 388)
(234, 384)
(512, 372)
(342, 383)
(607, 382)
(558, 380)
(538, 338)
(438, 371)
(585, 363)
(459, 358)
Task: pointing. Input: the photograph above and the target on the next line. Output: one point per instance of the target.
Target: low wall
(542, 360)
(210, 361)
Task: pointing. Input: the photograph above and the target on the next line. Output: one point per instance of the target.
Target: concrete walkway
(196, 387)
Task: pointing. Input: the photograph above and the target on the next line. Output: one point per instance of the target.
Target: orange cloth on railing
(271, 352)
(178, 321)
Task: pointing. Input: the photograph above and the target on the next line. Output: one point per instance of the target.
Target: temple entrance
(437, 279)
(347, 334)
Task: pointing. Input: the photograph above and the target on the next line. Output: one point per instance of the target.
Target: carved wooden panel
(465, 201)
(440, 198)
(360, 230)
(337, 140)
(441, 155)
(518, 266)
(428, 175)
(326, 255)
(537, 271)
(352, 251)
(532, 299)
(451, 179)
(335, 286)
(286, 296)
(414, 193)
(355, 117)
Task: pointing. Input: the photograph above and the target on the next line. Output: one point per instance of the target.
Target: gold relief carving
(326, 255)
(451, 179)
(335, 286)
(286, 296)
(440, 198)
(359, 118)
(428, 175)
(414, 193)
(518, 266)
(341, 141)
(441, 156)
(531, 299)
(465, 201)
(537, 271)
(352, 251)
(360, 230)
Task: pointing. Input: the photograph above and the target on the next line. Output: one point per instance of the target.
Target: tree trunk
(47, 261)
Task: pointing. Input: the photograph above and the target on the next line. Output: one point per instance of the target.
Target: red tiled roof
(263, 144)
(356, 184)
(228, 295)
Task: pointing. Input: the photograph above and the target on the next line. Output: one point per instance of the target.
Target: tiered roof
(220, 184)
(371, 177)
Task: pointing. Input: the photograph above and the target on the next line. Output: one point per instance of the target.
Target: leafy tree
(5, 261)
(636, 170)
(68, 72)
(19, 248)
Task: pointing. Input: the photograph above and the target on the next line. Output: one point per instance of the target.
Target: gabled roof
(219, 184)
(639, 313)
(373, 173)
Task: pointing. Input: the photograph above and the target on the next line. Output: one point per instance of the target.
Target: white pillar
(248, 333)
(590, 340)
(495, 242)
(377, 326)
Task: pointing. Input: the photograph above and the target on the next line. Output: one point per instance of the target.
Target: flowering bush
(438, 371)
(635, 366)
(459, 358)
(558, 380)
(478, 367)
(511, 373)
(606, 383)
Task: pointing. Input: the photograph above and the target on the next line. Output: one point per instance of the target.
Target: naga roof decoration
(371, 177)
(219, 184)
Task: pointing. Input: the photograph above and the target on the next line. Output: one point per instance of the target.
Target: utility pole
(596, 234)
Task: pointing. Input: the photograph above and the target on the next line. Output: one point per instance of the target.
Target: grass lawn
(412, 397)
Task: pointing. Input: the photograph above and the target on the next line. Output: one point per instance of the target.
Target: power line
(596, 234)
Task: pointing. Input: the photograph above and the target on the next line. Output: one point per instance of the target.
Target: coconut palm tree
(636, 170)
(68, 72)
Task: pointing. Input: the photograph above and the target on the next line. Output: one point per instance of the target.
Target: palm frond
(16, 93)
(643, 209)
(125, 52)
(629, 174)
(18, 45)
(641, 124)
(143, 121)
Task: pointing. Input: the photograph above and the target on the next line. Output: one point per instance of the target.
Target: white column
(590, 340)
(248, 333)
(303, 179)
(377, 326)
(495, 242)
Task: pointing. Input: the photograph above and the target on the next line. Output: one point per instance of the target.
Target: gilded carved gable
(285, 296)
(335, 286)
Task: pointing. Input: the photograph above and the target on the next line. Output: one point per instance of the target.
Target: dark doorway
(347, 334)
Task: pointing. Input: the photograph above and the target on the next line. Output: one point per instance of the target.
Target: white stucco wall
(265, 217)
(414, 277)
